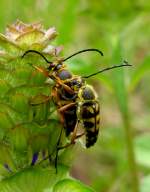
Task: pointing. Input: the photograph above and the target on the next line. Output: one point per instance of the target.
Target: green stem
(130, 153)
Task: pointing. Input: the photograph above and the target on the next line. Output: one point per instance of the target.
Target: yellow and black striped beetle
(76, 101)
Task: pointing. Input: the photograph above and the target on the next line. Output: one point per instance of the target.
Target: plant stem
(130, 153)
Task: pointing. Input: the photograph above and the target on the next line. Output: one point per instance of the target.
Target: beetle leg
(66, 87)
(57, 150)
(41, 70)
(65, 107)
(74, 136)
(46, 99)
(80, 135)
(46, 73)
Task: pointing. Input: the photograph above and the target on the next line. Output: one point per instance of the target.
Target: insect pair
(75, 100)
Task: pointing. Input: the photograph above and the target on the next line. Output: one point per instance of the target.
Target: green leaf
(5, 124)
(30, 91)
(18, 137)
(39, 106)
(13, 115)
(142, 150)
(6, 156)
(33, 179)
(70, 185)
(4, 87)
(7, 76)
(19, 102)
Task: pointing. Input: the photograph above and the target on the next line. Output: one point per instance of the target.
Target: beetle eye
(74, 82)
(52, 65)
(58, 66)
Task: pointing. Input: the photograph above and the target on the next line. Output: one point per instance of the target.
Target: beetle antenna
(37, 52)
(126, 64)
(82, 51)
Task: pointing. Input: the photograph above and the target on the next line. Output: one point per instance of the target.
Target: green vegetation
(120, 160)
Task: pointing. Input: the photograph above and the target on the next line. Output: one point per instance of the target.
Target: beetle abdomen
(90, 116)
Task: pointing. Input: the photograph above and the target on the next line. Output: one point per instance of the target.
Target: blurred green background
(121, 29)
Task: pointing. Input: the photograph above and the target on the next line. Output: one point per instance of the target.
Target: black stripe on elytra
(88, 124)
(88, 103)
(91, 138)
(86, 113)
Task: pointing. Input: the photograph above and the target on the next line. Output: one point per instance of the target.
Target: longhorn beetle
(76, 101)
